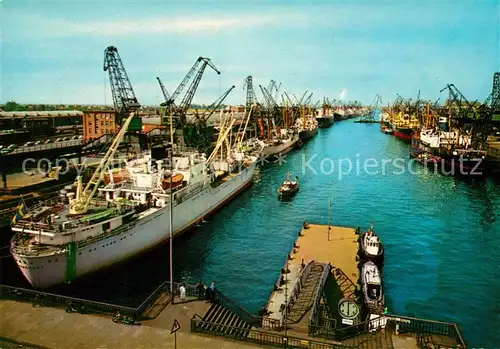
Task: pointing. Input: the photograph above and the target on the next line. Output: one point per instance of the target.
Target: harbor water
(441, 234)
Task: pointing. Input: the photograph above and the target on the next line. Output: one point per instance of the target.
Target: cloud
(60, 28)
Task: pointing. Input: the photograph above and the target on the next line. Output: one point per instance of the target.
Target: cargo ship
(324, 118)
(307, 127)
(276, 147)
(58, 241)
(402, 132)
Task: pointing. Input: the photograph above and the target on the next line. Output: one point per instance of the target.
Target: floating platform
(317, 295)
(322, 256)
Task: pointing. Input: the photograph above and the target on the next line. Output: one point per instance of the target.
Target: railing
(259, 336)
(48, 146)
(50, 299)
(420, 326)
(313, 320)
(304, 273)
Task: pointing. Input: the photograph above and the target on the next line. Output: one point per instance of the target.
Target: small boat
(371, 247)
(176, 181)
(288, 188)
(116, 175)
(388, 131)
(372, 286)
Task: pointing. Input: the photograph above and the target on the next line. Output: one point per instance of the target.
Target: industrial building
(24, 126)
(98, 123)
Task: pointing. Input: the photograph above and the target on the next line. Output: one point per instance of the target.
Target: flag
(20, 212)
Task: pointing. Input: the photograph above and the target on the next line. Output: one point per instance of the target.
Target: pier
(322, 268)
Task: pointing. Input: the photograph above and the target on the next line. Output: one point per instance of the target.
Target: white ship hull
(148, 232)
(285, 147)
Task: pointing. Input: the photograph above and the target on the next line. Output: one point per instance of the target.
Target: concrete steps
(221, 320)
(305, 299)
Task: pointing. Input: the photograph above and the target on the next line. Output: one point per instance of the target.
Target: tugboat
(288, 188)
(371, 247)
(372, 286)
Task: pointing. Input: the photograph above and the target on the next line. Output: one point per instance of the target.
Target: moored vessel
(371, 247)
(275, 148)
(56, 242)
(372, 286)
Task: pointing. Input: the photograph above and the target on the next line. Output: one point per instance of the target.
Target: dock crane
(180, 111)
(474, 122)
(125, 101)
(124, 98)
(251, 97)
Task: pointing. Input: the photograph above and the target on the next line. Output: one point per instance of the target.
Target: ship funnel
(159, 164)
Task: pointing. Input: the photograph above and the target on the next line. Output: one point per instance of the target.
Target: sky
(52, 51)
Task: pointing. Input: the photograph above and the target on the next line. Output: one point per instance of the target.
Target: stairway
(219, 319)
(305, 299)
(372, 340)
(347, 287)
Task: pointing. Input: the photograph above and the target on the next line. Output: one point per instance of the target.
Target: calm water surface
(441, 234)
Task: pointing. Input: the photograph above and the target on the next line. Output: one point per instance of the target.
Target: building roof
(31, 114)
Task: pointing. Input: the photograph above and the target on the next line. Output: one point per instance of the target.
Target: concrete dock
(54, 328)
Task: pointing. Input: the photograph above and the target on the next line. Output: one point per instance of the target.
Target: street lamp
(171, 226)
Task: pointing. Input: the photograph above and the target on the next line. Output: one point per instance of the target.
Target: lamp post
(329, 217)
(285, 340)
(171, 226)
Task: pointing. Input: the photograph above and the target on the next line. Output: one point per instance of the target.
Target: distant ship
(56, 242)
(324, 118)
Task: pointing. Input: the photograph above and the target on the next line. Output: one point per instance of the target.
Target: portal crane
(124, 98)
(180, 112)
(495, 93)
(251, 97)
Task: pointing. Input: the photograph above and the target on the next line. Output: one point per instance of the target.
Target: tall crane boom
(124, 98)
(213, 107)
(79, 205)
(184, 82)
(188, 98)
(164, 92)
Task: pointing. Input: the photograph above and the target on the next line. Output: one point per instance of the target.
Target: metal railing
(313, 320)
(297, 287)
(259, 336)
(51, 299)
(48, 146)
(420, 326)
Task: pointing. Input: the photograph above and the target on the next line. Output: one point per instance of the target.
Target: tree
(13, 106)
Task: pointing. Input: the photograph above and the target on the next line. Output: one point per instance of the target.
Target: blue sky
(52, 51)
